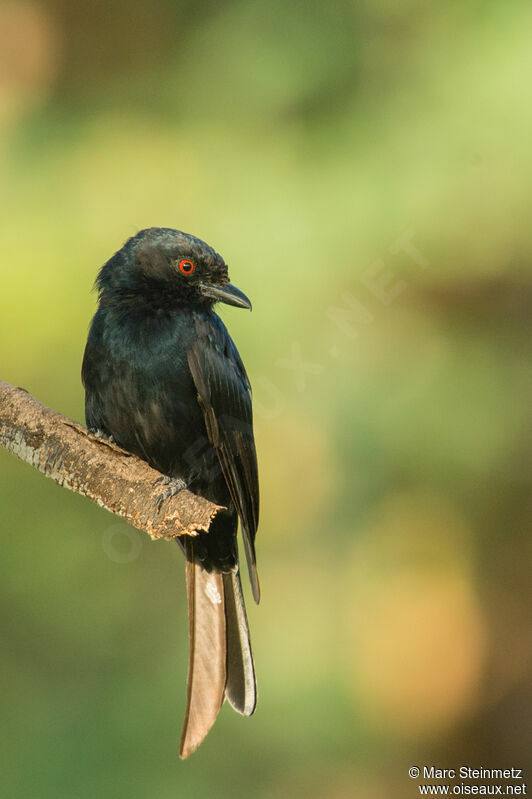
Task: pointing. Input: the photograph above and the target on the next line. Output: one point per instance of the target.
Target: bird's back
(139, 389)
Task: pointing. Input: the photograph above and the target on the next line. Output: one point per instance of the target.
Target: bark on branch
(98, 469)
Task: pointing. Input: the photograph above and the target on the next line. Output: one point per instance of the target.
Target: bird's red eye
(186, 267)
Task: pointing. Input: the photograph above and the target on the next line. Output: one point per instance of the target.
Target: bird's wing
(224, 394)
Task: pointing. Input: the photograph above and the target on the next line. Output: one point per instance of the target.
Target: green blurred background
(365, 169)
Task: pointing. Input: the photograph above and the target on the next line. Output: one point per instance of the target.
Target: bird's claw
(173, 486)
(97, 433)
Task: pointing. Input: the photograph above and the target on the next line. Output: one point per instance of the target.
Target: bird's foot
(97, 433)
(173, 486)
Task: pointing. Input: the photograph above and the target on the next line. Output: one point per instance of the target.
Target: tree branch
(96, 468)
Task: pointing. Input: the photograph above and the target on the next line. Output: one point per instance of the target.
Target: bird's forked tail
(220, 658)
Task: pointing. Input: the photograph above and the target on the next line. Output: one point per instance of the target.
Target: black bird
(164, 379)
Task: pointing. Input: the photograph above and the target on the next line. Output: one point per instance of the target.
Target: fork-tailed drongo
(164, 379)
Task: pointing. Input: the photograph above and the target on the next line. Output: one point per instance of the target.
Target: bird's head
(166, 267)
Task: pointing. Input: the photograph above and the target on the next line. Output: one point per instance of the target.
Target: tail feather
(241, 688)
(220, 658)
(249, 549)
(207, 655)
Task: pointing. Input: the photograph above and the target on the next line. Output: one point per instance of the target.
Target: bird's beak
(227, 293)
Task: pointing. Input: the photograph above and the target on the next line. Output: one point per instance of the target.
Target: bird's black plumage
(163, 377)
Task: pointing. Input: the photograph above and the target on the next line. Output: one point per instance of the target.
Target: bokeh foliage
(365, 168)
